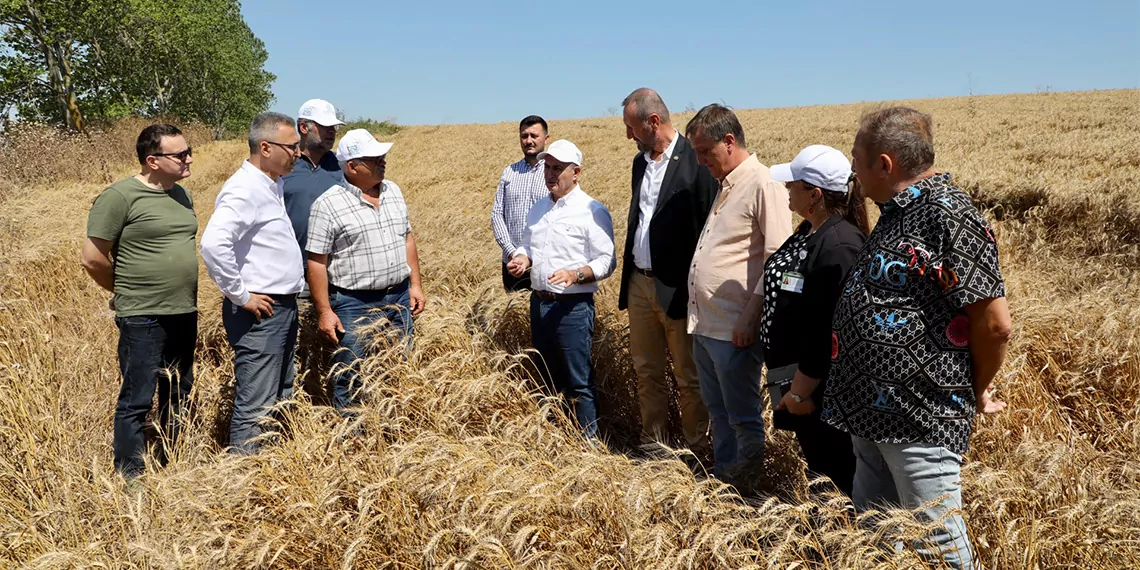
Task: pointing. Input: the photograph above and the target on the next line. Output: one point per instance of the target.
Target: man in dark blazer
(672, 196)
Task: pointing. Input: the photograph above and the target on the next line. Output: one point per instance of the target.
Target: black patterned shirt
(902, 370)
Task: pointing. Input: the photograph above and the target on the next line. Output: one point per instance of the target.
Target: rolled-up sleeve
(601, 236)
(233, 217)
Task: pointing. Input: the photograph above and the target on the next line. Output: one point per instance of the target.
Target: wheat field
(458, 462)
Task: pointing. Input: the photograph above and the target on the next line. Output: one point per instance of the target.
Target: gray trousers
(263, 365)
(916, 476)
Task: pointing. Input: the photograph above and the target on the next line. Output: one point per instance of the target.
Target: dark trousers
(512, 283)
(359, 311)
(263, 365)
(155, 352)
(827, 451)
(563, 331)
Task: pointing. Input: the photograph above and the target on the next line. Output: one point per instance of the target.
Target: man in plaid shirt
(521, 185)
(362, 259)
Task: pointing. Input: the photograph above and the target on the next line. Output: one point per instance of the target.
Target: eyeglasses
(179, 156)
(289, 147)
(373, 161)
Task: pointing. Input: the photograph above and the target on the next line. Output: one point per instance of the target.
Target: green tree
(45, 49)
(70, 61)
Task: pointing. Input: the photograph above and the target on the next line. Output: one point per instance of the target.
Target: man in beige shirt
(748, 222)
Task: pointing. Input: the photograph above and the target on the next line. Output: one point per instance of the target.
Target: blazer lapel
(667, 189)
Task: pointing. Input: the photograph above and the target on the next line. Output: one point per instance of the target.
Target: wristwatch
(799, 399)
(581, 276)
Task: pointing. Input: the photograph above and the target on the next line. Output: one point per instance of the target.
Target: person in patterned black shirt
(919, 332)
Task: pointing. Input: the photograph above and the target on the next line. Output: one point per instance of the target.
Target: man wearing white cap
(251, 252)
(317, 170)
(802, 282)
(568, 247)
(363, 266)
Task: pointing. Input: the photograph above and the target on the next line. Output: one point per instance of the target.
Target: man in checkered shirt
(362, 260)
(521, 185)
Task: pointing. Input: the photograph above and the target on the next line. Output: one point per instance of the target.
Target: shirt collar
(743, 169)
(915, 191)
(668, 150)
(570, 198)
(328, 162)
(528, 168)
(257, 174)
(356, 191)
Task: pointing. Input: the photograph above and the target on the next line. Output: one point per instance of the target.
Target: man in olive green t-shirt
(141, 247)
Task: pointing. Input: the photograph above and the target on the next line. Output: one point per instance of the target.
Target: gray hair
(264, 127)
(715, 121)
(646, 102)
(905, 134)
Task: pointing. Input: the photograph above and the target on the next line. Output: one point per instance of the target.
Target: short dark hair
(905, 134)
(713, 122)
(150, 140)
(531, 120)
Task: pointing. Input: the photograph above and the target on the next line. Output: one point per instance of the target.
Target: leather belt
(548, 296)
(646, 272)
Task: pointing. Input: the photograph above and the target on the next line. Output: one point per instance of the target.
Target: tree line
(77, 62)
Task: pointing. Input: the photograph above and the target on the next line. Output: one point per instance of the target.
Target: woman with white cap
(802, 283)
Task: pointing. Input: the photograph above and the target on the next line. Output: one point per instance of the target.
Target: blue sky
(429, 62)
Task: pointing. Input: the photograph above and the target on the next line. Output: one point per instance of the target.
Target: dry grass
(462, 465)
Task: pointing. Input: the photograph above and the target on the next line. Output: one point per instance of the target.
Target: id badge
(792, 281)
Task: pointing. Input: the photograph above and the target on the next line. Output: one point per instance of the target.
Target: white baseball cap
(563, 151)
(359, 143)
(319, 111)
(818, 165)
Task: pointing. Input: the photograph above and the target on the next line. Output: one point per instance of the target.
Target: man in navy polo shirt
(317, 170)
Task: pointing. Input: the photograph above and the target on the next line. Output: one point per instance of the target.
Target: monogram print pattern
(901, 369)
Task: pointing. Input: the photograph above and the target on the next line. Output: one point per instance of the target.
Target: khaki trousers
(651, 333)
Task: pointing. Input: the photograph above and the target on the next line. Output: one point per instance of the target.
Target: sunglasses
(179, 156)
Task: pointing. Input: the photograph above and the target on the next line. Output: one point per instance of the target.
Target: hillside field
(460, 464)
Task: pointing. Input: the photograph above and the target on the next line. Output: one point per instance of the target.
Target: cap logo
(307, 110)
(353, 148)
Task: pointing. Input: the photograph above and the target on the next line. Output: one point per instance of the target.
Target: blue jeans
(358, 310)
(911, 475)
(730, 387)
(563, 331)
(155, 352)
(263, 365)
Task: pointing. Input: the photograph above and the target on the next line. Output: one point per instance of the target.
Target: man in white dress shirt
(251, 252)
(568, 247)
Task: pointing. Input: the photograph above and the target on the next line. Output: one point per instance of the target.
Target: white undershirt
(647, 204)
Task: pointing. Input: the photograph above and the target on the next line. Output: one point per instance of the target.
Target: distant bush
(379, 128)
(33, 153)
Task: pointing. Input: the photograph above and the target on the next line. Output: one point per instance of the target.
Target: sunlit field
(461, 463)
